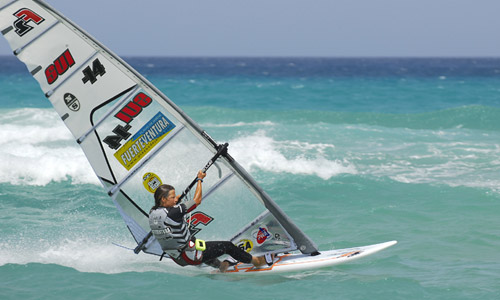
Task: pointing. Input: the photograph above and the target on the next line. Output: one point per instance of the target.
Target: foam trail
(85, 254)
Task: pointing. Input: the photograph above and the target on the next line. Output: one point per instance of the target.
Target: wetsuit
(170, 228)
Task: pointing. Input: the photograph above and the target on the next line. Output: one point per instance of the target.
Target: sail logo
(198, 218)
(71, 102)
(245, 245)
(133, 108)
(151, 182)
(261, 235)
(144, 140)
(127, 114)
(26, 16)
(60, 65)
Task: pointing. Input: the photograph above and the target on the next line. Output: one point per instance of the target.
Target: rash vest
(170, 228)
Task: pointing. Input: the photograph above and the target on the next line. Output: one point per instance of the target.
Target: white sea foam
(37, 148)
(449, 173)
(263, 152)
(87, 254)
(470, 163)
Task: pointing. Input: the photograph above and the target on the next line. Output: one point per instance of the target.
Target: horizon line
(299, 56)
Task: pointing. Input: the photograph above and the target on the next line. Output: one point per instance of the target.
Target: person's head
(165, 196)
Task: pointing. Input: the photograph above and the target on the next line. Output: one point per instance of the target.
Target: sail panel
(263, 235)
(59, 52)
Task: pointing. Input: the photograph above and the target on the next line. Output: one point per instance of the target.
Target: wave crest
(265, 153)
(37, 149)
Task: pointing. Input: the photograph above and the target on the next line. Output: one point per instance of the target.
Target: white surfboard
(301, 262)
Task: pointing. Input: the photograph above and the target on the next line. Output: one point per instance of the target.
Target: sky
(306, 28)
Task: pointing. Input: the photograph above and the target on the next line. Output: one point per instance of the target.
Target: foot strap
(231, 261)
(269, 259)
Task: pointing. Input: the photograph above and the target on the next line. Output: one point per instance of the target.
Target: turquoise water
(355, 151)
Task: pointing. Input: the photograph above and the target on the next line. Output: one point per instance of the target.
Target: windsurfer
(171, 229)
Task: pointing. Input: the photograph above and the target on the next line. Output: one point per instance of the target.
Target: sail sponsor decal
(127, 114)
(261, 235)
(245, 245)
(26, 18)
(196, 219)
(144, 140)
(60, 65)
(71, 102)
(151, 182)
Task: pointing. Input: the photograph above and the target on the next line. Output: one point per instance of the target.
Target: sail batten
(18, 50)
(217, 185)
(6, 5)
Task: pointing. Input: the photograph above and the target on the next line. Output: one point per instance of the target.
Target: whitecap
(37, 149)
(268, 155)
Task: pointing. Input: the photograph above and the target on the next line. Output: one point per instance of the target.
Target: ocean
(356, 151)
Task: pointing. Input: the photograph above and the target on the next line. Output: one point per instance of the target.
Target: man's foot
(214, 263)
(223, 266)
(261, 260)
(228, 262)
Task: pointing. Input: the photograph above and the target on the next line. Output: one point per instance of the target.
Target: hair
(161, 191)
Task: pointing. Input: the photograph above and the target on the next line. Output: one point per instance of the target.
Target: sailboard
(135, 138)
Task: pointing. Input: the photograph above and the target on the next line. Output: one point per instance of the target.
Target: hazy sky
(289, 27)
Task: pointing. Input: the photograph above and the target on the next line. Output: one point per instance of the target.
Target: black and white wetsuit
(170, 228)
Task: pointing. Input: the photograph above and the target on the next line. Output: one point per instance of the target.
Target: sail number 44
(91, 73)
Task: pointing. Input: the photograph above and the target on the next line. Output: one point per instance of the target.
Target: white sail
(130, 131)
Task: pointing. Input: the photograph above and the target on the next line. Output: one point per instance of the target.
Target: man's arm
(197, 194)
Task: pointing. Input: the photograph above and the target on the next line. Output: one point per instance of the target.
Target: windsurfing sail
(135, 138)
